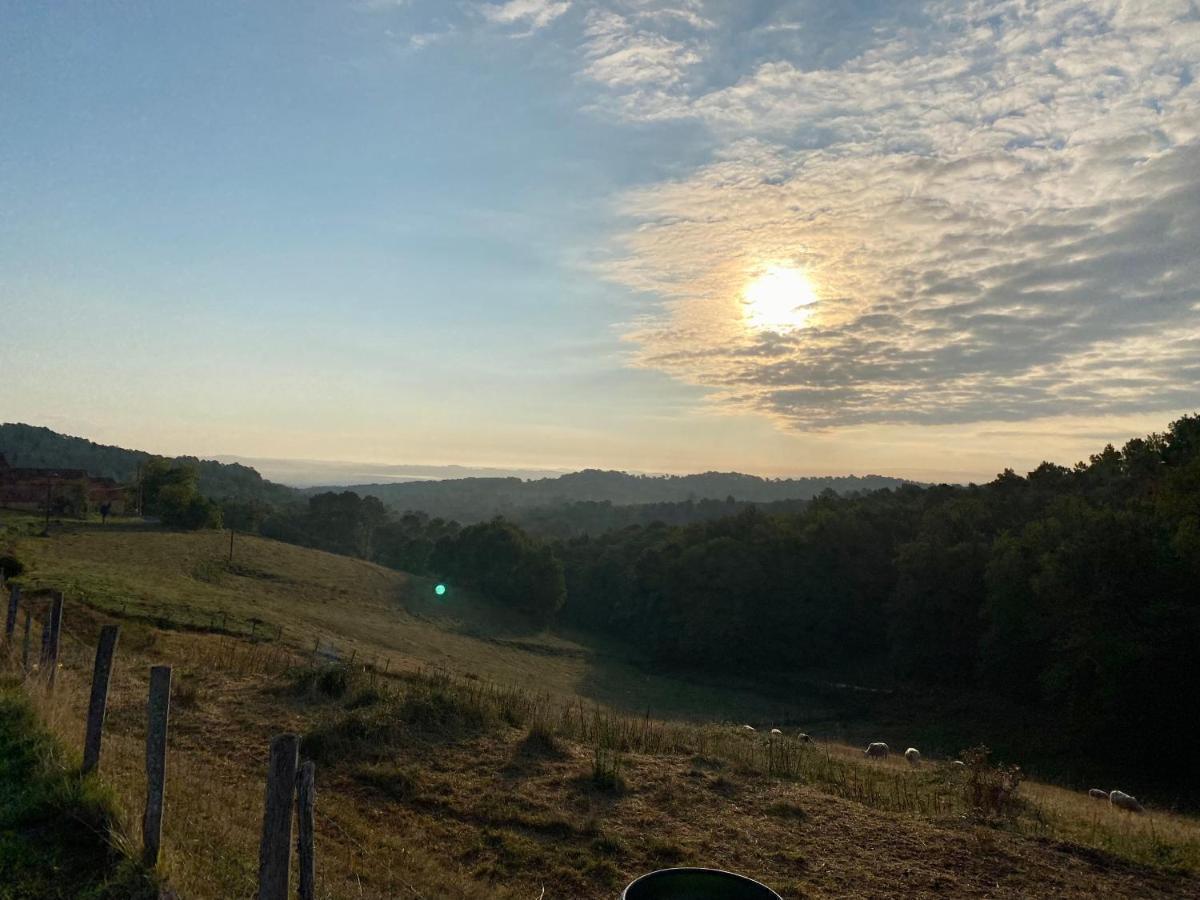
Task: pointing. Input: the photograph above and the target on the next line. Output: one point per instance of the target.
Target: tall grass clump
(62, 836)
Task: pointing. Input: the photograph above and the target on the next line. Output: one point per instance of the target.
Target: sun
(778, 299)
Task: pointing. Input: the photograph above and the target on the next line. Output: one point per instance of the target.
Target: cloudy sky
(921, 238)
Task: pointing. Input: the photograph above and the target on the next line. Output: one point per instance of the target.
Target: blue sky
(521, 233)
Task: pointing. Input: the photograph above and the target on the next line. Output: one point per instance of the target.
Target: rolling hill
(473, 499)
(463, 754)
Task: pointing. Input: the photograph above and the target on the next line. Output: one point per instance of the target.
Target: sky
(929, 239)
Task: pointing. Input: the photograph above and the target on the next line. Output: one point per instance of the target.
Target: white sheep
(776, 731)
(1097, 794)
(959, 764)
(749, 728)
(877, 750)
(1122, 800)
(804, 738)
(913, 755)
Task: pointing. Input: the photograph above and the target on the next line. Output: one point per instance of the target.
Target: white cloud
(622, 55)
(999, 209)
(533, 14)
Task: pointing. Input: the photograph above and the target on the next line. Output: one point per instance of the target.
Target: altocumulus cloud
(998, 202)
(532, 14)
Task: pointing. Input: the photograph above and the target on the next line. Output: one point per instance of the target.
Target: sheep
(749, 728)
(877, 750)
(1097, 794)
(776, 731)
(804, 738)
(913, 755)
(1124, 801)
(959, 764)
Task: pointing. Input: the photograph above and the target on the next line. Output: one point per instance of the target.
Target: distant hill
(37, 447)
(541, 502)
(472, 499)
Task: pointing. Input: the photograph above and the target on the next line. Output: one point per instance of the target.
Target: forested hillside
(35, 447)
(475, 499)
(1073, 593)
(1069, 593)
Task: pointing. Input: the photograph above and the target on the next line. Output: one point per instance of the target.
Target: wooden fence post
(306, 796)
(27, 639)
(44, 654)
(275, 851)
(101, 674)
(56, 616)
(158, 714)
(10, 624)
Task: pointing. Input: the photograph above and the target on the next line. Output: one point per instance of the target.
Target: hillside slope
(32, 446)
(507, 777)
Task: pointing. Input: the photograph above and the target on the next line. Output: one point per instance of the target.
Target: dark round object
(697, 884)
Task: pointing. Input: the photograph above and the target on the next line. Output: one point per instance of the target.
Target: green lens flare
(440, 590)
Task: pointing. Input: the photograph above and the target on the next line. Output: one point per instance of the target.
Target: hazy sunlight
(779, 299)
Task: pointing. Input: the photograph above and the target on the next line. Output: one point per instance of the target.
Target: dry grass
(437, 784)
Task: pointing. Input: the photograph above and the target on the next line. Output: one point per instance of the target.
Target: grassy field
(60, 833)
(490, 761)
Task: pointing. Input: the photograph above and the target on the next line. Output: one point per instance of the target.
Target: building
(67, 492)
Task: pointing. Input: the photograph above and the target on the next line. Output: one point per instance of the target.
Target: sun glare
(778, 299)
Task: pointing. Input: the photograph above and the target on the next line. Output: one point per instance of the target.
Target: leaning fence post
(56, 615)
(14, 600)
(159, 710)
(306, 790)
(101, 674)
(275, 850)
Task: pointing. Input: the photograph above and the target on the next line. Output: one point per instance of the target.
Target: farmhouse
(69, 492)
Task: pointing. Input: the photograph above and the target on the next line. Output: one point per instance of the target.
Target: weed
(606, 770)
(185, 692)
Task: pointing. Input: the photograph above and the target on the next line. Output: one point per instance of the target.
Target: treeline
(1072, 592)
(479, 499)
(495, 558)
(592, 517)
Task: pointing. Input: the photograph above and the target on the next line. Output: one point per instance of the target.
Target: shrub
(991, 790)
(11, 566)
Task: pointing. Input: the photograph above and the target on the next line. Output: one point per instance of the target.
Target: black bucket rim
(733, 876)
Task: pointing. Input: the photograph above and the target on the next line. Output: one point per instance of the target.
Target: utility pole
(231, 545)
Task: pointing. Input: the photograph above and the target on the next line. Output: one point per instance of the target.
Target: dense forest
(477, 499)
(1074, 593)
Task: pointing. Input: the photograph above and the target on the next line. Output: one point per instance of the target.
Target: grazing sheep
(804, 738)
(959, 764)
(776, 731)
(1122, 800)
(877, 750)
(749, 728)
(1097, 794)
(913, 755)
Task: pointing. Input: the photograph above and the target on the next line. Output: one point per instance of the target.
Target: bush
(991, 790)
(11, 566)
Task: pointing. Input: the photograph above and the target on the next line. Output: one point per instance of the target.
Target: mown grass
(59, 832)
